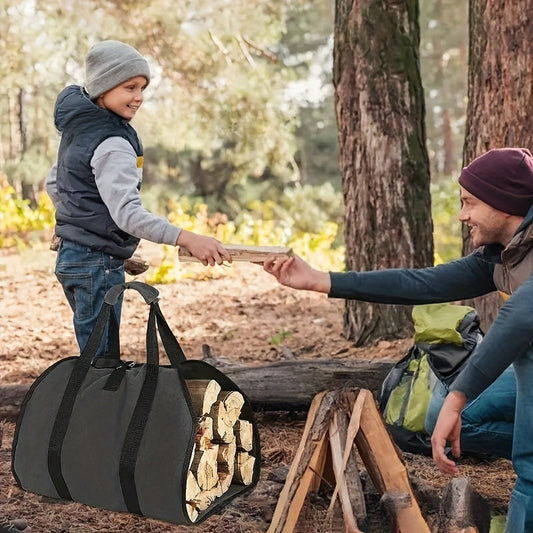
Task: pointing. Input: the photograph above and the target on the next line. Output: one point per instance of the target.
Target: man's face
(487, 225)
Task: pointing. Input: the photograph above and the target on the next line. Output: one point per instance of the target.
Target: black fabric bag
(119, 437)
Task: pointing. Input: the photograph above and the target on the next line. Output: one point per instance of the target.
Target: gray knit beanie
(110, 63)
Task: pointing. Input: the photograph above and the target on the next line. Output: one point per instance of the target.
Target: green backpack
(445, 336)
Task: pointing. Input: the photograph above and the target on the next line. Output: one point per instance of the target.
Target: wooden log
(192, 489)
(205, 499)
(268, 387)
(204, 393)
(462, 507)
(254, 254)
(233, 402)
(226, 464)
(346, 474)
(192, 511)
(348, 437)
(244, 468)
(244, 435)
(204, 433)
(222, 429)
(272, 387)
(204, 466)
(385, 465)
(305, 466)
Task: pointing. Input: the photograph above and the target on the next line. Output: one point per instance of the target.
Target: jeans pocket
(78, 288)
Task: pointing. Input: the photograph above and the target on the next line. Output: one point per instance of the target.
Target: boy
(95, 184)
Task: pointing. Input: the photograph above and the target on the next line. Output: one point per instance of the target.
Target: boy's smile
(124, 99)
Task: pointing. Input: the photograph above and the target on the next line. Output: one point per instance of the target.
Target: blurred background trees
(240, 107)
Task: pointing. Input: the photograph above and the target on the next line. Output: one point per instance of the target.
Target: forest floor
(245, 317)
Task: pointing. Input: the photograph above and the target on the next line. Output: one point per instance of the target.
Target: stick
(254, 254)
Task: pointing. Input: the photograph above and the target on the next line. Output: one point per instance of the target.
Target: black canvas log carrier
(122, 435)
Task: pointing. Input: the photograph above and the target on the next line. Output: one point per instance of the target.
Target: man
(497, 200)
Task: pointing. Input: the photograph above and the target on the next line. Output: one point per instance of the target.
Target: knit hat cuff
(502, 178)
(117, 75)
(510, 203)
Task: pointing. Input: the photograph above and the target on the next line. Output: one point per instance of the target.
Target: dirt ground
(245, 317)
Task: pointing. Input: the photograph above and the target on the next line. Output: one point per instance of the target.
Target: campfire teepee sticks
(326, 435)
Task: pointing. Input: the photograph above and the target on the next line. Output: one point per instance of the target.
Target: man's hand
(207, 249)
(448, 429)
(296, 273)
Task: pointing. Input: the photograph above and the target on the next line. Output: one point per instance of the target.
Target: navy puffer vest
(81, 215)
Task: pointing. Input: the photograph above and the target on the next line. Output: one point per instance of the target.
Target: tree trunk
(383, 157)
(500, 93)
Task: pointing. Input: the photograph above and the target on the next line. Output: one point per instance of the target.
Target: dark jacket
(81, 215)
(487, 269)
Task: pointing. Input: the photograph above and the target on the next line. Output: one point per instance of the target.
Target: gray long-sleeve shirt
(114, 164)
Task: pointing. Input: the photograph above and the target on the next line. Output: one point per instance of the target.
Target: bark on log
(222, 429)
(269, 387)
(233, 402)
(462, 507)
(244, 435)
(204, 433)
(204, 393)
(244, 468)
(205, 469)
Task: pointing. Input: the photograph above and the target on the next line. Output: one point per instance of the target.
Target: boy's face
(124, 99)
(487, 224)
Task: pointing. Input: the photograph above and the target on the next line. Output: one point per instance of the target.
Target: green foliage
(281, 337)
(446, 225)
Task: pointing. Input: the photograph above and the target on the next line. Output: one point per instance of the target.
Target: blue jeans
(487, 423)
(85, 276)
(520, 514)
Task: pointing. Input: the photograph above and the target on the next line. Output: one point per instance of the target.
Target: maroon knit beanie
(502, 178)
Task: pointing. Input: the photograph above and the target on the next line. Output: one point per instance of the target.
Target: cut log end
(244, 468)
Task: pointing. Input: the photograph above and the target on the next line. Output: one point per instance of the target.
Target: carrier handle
(149, 293)
(107, 316)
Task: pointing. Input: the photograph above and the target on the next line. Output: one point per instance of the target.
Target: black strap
(64, 412)
(138, 421)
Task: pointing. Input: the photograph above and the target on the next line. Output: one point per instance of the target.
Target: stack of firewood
(223, 445)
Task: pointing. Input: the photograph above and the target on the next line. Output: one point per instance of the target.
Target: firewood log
(192, 488)
(222, 429)
(255, 254)
(233, 402)
(204, 432)
(225, 479)
(244, 468)
(244, 435)
(204, 500)
(204, 393)
(204, 467)
(192, 511)
(226, 464)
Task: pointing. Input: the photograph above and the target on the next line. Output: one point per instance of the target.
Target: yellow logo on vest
(504, 296)
(140, 161)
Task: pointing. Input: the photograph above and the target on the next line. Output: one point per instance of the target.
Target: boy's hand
(207, 249)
